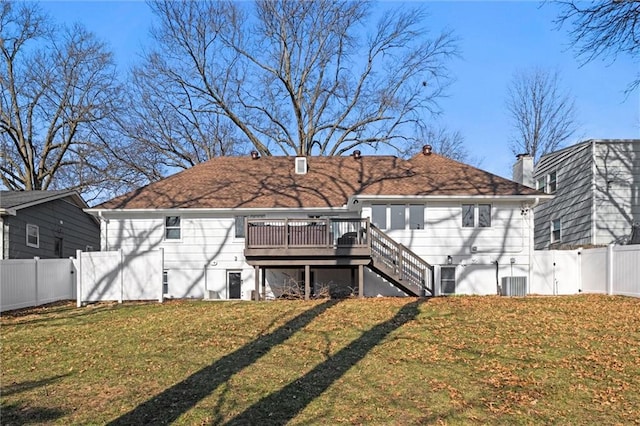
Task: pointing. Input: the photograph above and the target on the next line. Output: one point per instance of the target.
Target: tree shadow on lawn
(20, 414)
(166, 407)
(282, 406)
(25, 386)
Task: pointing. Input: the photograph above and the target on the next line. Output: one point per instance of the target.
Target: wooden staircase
(399, 265)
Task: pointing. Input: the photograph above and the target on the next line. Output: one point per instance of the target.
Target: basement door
(234, 284)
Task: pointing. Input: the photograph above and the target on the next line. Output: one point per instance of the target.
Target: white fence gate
(33, 282)
(112, 276)
(608, 270)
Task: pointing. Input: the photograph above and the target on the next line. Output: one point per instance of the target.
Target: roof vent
(301, 165)
(426, 150)
(357, 154)
(255, 155)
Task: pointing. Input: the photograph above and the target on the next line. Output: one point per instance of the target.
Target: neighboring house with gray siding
(46, 224)
(596, 188)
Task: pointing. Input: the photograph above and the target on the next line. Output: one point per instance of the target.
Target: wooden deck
(336, 242)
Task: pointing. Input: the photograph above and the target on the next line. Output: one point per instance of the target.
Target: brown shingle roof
(240, 182)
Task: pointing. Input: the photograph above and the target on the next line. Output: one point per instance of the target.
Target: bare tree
(289, 77)
(58, 89)
(542, 114)
(604, 28)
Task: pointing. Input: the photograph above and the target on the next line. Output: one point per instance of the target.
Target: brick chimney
(523, 170)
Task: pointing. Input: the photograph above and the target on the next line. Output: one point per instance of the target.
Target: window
(541, 184)
(448, 279)
(548, 183)
(33, 236)
(416, 216)
(551, 187)
(468, 219)
(556, 231)
(165, 281)
(239, 224)
(172, 228)
(476, 215)
(397, 216)
(379, 215)
(484, 215)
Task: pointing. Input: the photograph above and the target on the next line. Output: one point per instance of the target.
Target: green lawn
(456, 360)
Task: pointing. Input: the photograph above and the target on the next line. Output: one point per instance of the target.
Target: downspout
(594, 215)
(532, 240)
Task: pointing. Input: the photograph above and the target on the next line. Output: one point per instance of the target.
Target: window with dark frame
(172, 228)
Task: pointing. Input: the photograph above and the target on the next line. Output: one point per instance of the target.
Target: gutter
(7, 212)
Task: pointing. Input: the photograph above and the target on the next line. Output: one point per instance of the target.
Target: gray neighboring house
(47, 224)
(596, 184)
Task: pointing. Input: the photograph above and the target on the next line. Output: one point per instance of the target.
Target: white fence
(611, 270)
(33, 282)
(112, 276)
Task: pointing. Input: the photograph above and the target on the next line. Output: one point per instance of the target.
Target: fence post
(72, 283)
(79, 279)
(161, 298)
(37, 286)
(610, 269)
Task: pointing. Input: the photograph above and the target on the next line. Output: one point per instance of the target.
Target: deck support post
(307, 281)
(264, 283)
(360, 281)
(257, 282)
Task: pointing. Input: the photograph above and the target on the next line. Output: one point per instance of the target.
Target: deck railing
(306, 233)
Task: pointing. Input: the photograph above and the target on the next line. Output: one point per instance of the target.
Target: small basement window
(33, 236)
(172, 228)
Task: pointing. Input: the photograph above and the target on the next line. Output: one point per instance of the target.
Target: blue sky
(496, 39)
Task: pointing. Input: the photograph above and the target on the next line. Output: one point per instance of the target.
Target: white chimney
(523, 170)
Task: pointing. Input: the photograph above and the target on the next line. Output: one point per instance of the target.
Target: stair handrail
(401, 259)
